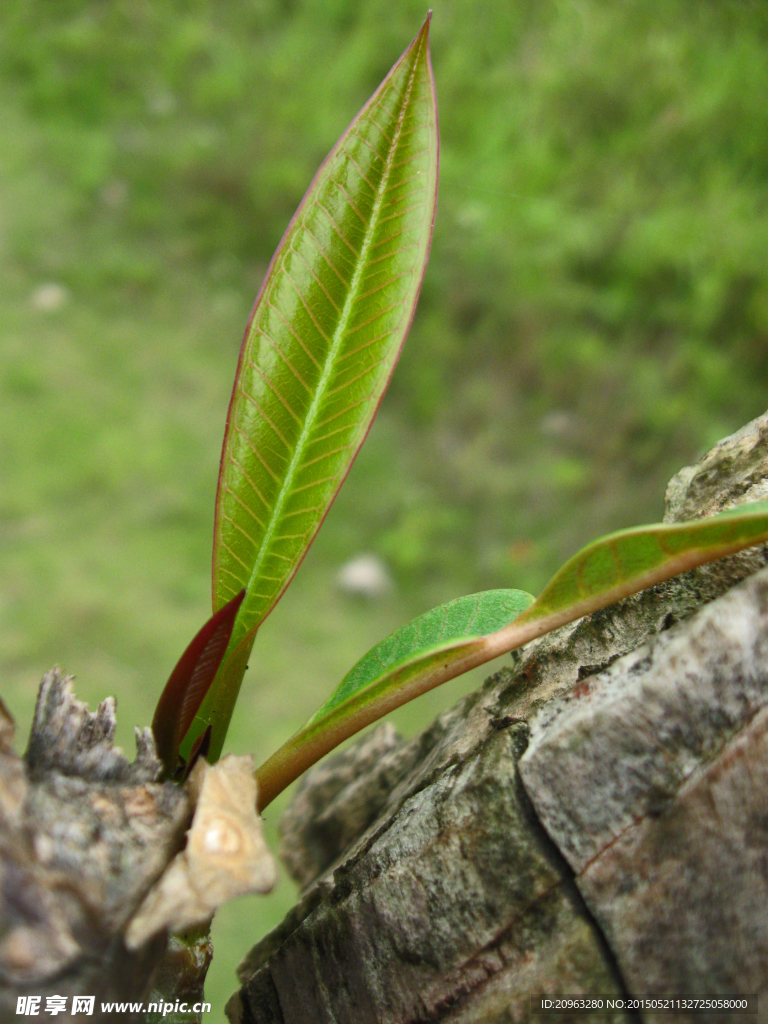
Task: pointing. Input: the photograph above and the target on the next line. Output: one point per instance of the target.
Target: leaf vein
(325, 256)
(359, 170)
(305, 304)
(351, 381)
(386, 284)
(261, 459)
(251, 513)
(273, 387)
(388, 239)
(299, 257)
(237, 526)
(375, 316)
(379, 337)
(312, 483)
(378, 127)
(389, 255)
(273, 307)
(411, 156)
(365, 142)
(251, 484)
(346, 409)
(407, 195)
(327, 455)
(337, 229)
(352, 205)
(263, 415)
(285, 359)
(235, 556)
(402, 213)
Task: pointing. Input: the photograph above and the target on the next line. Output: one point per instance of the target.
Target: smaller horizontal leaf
(631, 560)
(456, 623)
(189, 682)
(607, 570)
(436, 640)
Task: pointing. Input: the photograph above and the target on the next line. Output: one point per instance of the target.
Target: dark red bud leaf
(189, 682)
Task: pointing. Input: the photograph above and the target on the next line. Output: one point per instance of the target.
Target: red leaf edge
(190, 681)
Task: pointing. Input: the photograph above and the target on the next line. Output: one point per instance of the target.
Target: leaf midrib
(338, 337)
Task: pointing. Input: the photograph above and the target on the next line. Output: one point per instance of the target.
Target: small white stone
(115, 194)
(558, 423)
(49, 297)
(161, 103)
(366, 576)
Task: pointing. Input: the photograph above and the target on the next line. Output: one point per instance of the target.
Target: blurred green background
(594, 315)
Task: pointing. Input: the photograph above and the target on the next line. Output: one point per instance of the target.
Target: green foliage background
(594, 315)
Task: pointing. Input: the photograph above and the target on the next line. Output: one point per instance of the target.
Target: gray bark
(83, 836)
(99, 862)
(591, 821)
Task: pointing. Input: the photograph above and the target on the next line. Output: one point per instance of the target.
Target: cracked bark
(590, 821)
(99, 861)
(83, 836)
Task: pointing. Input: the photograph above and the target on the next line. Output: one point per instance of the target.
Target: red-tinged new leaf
(189, 682)
(319, 350)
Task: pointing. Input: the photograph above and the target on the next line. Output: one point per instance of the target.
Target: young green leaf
(442, 629)
(602, 573)
(320, 347)
(441, 636)
(631, 560)
(189, 682)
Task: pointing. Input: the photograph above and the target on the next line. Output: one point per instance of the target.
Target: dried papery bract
(225, 854)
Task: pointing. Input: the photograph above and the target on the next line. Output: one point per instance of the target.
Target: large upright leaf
(322, 341)
(411, 661)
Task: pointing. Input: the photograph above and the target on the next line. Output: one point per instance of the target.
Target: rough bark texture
(99, 861)
(83, 836)
(592, 820)
(652, 779)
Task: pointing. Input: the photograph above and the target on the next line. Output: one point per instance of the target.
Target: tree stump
(100, 862)
(591, 821)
